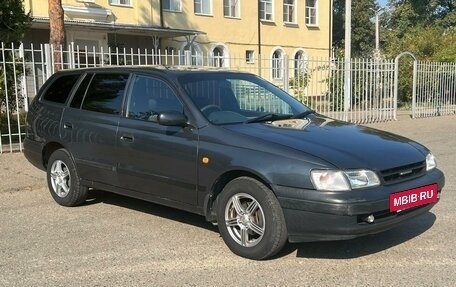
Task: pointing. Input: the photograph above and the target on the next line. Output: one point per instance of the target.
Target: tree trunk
(57, 31)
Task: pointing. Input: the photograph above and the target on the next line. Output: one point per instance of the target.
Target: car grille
(402, 173)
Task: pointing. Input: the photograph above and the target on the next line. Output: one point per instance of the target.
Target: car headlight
(430, 162)
(336, 180)
(362, 178)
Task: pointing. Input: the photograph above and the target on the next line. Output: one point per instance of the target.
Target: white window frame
(201, 7)
(229, 4)
(309, 11)
(287, 7)
(250, 60)
(224, 59)
(117, 3)
(263, 16)
(277, 70)
(196, 54)
(173, 9)
(303, 59)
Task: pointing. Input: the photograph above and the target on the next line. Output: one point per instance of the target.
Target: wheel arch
(48, 149)
(210, 201)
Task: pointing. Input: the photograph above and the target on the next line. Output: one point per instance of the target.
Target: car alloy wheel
(250, 219)
(245, 220)
(60, 178)
(64, 183)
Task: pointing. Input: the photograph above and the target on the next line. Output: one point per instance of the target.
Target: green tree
(14, 22)
(407, 14)
(363, 28)
(424, 27)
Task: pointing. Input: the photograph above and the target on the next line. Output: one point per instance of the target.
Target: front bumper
(313, 215)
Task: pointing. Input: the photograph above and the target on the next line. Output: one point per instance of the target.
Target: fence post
(24, 77)
(347, 87)
(188, 58)
(415, 66)
(71, 56)
(286, 73)
(48, 60)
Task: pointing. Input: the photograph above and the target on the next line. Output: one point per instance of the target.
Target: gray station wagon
(229, 146)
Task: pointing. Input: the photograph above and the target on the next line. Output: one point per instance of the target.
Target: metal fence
(435, 89)
(317, 82)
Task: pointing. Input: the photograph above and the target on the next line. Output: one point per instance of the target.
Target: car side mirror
(172, 118)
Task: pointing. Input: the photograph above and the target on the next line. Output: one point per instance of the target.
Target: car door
(155, 159)
(89, 125)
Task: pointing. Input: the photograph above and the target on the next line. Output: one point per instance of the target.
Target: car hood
(342, 144)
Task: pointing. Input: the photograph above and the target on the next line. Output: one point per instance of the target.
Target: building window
(203, 7)
(289, 11)
(300, 64)
(120, 2)
(277, 64)
(217, 55)
(231, 8)
(192, 55)
(172, 5)
(266, 10)
(311, 13)
(250, 56)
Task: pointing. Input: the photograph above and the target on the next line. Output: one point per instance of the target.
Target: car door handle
(67, 126)
(127, 138)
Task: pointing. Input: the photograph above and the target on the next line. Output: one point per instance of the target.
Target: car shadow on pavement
(345, 249)
(98, 196)
(362, 246)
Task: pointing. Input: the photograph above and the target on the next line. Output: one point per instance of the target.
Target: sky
(382, 2)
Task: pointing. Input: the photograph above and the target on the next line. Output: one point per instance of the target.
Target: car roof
(174, 70)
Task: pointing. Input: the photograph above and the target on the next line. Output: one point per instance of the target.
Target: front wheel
(63, 179)
(250, 219)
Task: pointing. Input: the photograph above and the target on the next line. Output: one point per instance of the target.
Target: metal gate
(435, 89)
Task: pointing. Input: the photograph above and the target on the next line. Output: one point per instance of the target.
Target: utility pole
(377, 28)
(347, 70)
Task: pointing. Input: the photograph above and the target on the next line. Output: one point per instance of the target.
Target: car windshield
(229, 98)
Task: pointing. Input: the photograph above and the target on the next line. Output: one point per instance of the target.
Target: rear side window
(60, 89)
(80, 92)
(105, 93)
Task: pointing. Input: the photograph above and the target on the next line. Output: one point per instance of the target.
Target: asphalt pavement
(118, 241)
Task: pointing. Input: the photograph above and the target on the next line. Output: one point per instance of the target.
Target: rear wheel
(63, 179)
(250, 219)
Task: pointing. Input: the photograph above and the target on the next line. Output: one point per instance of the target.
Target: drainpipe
(330, 28)
(259, 40)
(162, 21)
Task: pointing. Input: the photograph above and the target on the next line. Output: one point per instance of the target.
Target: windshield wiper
(303, 114)
(268, 117)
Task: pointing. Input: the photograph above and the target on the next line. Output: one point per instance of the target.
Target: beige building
(217, 32)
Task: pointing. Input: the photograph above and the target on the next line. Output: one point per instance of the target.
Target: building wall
(142, 12)
(242, 34)
(233, 36)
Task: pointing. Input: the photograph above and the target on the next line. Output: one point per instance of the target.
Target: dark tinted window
(80, 92)
(105, 93)
(60, 89)
(150, 97)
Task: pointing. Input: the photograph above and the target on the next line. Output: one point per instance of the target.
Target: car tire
(63, 180)
(250, 219)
